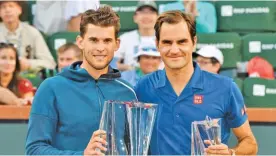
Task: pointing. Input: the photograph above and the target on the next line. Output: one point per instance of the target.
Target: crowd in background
(23, 48)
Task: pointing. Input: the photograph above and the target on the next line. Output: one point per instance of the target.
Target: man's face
(98, 45)
(149, 64)
(145, 18)
(10, 12)
(175, 45)
(207, 65)
(66, 58)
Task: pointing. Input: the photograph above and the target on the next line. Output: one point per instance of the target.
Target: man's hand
(96, 144)
(24, 64)
(191, 8)
(220, 149)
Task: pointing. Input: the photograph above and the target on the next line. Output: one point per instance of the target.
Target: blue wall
(13, 135)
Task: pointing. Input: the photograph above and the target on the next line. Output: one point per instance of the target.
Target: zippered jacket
(67, 110)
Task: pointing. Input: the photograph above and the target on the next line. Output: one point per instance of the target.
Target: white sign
(226, 10)
(59, 42)
(229, 10)
(271, 91)
(255, 46)
(228, 45)
(258, 90)
(33, 9)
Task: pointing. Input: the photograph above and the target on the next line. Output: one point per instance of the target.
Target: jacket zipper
(99, 99)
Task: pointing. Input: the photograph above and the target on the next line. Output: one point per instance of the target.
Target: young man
(68, 54)
(67, 108)
(185, 94)
(149, 61)
(145, 17)
(30, 44)
(209, 58)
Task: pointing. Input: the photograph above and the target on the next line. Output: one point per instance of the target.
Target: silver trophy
(128, 127)
(206, 130)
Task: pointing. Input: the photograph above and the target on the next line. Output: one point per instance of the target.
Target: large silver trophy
(206, 130)
(128, 127)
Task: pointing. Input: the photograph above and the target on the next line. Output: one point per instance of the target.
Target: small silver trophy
(206, 130)
(128, 127)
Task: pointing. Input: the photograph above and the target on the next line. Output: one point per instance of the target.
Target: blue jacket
(67, 110)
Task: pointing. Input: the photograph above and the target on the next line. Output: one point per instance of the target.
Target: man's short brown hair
(72, 46)
(103, 16)
(175, 17)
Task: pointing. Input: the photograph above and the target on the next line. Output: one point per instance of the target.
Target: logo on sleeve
(243, 110)
(198, 99)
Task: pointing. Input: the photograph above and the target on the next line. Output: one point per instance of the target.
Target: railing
(22, 113)
(261, 114)
(8, 112)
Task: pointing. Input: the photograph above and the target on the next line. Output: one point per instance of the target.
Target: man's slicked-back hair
(103, 16)
(175, 17)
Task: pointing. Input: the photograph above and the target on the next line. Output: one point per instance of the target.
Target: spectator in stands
(149, 60)
(209, 58)
(145, 17)
(57, 16)
(68, 54)
(9, 75)
(204, 12)
(30, 44)
(260, 67)
(49, 16)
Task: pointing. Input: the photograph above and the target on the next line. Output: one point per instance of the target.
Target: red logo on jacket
(198, 99)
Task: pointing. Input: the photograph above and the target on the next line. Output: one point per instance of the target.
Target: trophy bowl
(206, 130)
(128, 126)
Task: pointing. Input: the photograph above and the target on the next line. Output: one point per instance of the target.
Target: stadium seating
(28, 8)
(246, 15)
(235, 16)
(58, 39)
(259, 92)
(261, 44)
(239, 82)
(33, 77)
(31, 8)
(125, 10)
(228, 43)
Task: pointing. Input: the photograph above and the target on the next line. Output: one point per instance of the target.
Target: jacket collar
(77, 73)
(196, 80)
